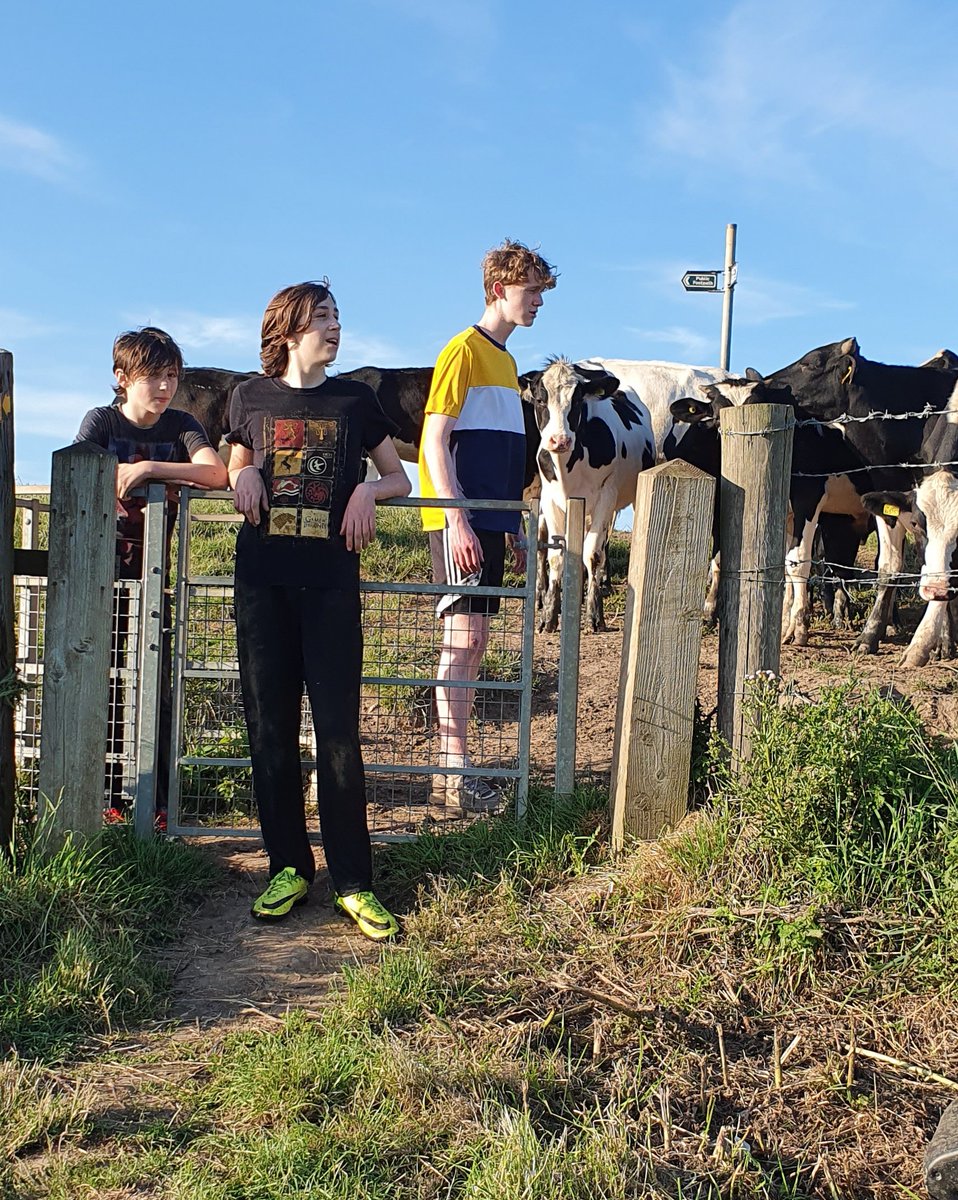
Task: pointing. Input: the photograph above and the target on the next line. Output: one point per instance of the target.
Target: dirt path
(233, 969)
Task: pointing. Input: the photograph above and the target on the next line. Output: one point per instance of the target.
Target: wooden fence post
(668, 565)
(567, 705)
(77, 639)
(8, 775)
(753, 505)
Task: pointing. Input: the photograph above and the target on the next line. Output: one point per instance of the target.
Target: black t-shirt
(310, 442)
(175, 437)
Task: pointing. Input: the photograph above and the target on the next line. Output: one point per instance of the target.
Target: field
(760, 1005)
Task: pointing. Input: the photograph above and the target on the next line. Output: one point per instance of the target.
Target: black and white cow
(836, 463)
(934, 504)
(659, 385)
(595, 439)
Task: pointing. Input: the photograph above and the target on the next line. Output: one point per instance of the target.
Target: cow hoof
(917, 659)
(865, 647)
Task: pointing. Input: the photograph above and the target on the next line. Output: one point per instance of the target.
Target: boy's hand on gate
(130, 476)
(249, 495)
(359, 521)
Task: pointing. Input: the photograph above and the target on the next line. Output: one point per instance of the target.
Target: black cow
(205, 392)
(839, 465)
(402, 393)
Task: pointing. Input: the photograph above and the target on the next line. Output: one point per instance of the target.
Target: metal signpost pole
(731, 269)
(708, 281)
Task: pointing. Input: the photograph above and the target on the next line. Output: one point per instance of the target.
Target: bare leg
(463, 644)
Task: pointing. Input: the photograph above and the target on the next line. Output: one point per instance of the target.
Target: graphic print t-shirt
(175, 437)
(308, 444)
(475, 381)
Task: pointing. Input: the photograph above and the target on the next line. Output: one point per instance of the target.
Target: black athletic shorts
(493, 543)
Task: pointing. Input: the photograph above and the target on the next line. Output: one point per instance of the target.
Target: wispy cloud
(777, 98)
(37, 411)
(30, 151)
(202, 331)
(467, 29)
(360, 350)
(676, 342)
(17, 327)
(760, 300)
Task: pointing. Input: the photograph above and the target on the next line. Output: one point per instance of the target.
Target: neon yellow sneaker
(285, 890)
(375, 921)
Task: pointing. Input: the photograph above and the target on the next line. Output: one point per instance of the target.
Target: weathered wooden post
(668, 565)
(8, 775)
(569, 631)
(753, 505)
(79, 627)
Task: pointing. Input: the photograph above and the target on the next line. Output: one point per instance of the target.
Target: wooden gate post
(8, 775)
(668, 564)
(753, 505)
(77, 639)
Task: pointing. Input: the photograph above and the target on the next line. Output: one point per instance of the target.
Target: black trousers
(288, 637)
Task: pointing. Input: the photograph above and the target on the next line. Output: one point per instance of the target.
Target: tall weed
(851, 799)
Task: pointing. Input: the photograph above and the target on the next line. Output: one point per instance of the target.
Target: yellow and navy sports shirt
(475, 381)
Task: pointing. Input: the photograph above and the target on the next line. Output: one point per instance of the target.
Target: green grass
(485, 1056)
(74, 925)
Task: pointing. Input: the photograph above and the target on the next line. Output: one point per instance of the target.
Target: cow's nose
(559, 443)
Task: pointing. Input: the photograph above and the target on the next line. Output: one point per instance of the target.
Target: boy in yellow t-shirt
(473, 447)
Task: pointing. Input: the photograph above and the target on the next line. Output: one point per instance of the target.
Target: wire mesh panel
(212, 789)
(123, 701)
(401, 745)
(120, 751)
(29, 604)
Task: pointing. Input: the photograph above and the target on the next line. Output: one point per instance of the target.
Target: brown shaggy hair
(511, 263)
(290, 311)
(142, 352)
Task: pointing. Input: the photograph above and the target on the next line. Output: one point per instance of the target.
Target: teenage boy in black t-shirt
(297, 442)
(153, 443)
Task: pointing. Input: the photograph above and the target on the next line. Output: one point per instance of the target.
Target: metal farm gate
(211, 778)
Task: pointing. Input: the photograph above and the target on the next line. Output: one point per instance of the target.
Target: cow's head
(933, 508)
(823, 380)
(729, 393)
(561, 392)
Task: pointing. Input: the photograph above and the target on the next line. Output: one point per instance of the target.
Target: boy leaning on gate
(297, 441)
(153, 443)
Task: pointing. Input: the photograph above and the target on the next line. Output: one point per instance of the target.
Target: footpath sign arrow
(701, 281)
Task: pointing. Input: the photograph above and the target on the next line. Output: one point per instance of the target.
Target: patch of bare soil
(232, 968)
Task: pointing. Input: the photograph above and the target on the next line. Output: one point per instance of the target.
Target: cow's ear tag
(891, 510)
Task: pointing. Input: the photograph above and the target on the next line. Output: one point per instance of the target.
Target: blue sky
(177, 165)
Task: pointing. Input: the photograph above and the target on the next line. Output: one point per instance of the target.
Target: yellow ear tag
(891, 510)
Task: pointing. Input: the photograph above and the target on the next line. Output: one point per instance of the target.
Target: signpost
(701, 281)
(708, 281)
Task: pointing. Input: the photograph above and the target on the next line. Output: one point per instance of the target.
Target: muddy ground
(232, 969)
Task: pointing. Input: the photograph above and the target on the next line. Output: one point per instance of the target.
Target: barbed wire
(848, 419)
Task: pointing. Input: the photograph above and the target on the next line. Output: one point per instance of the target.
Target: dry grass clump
(760, 1005)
